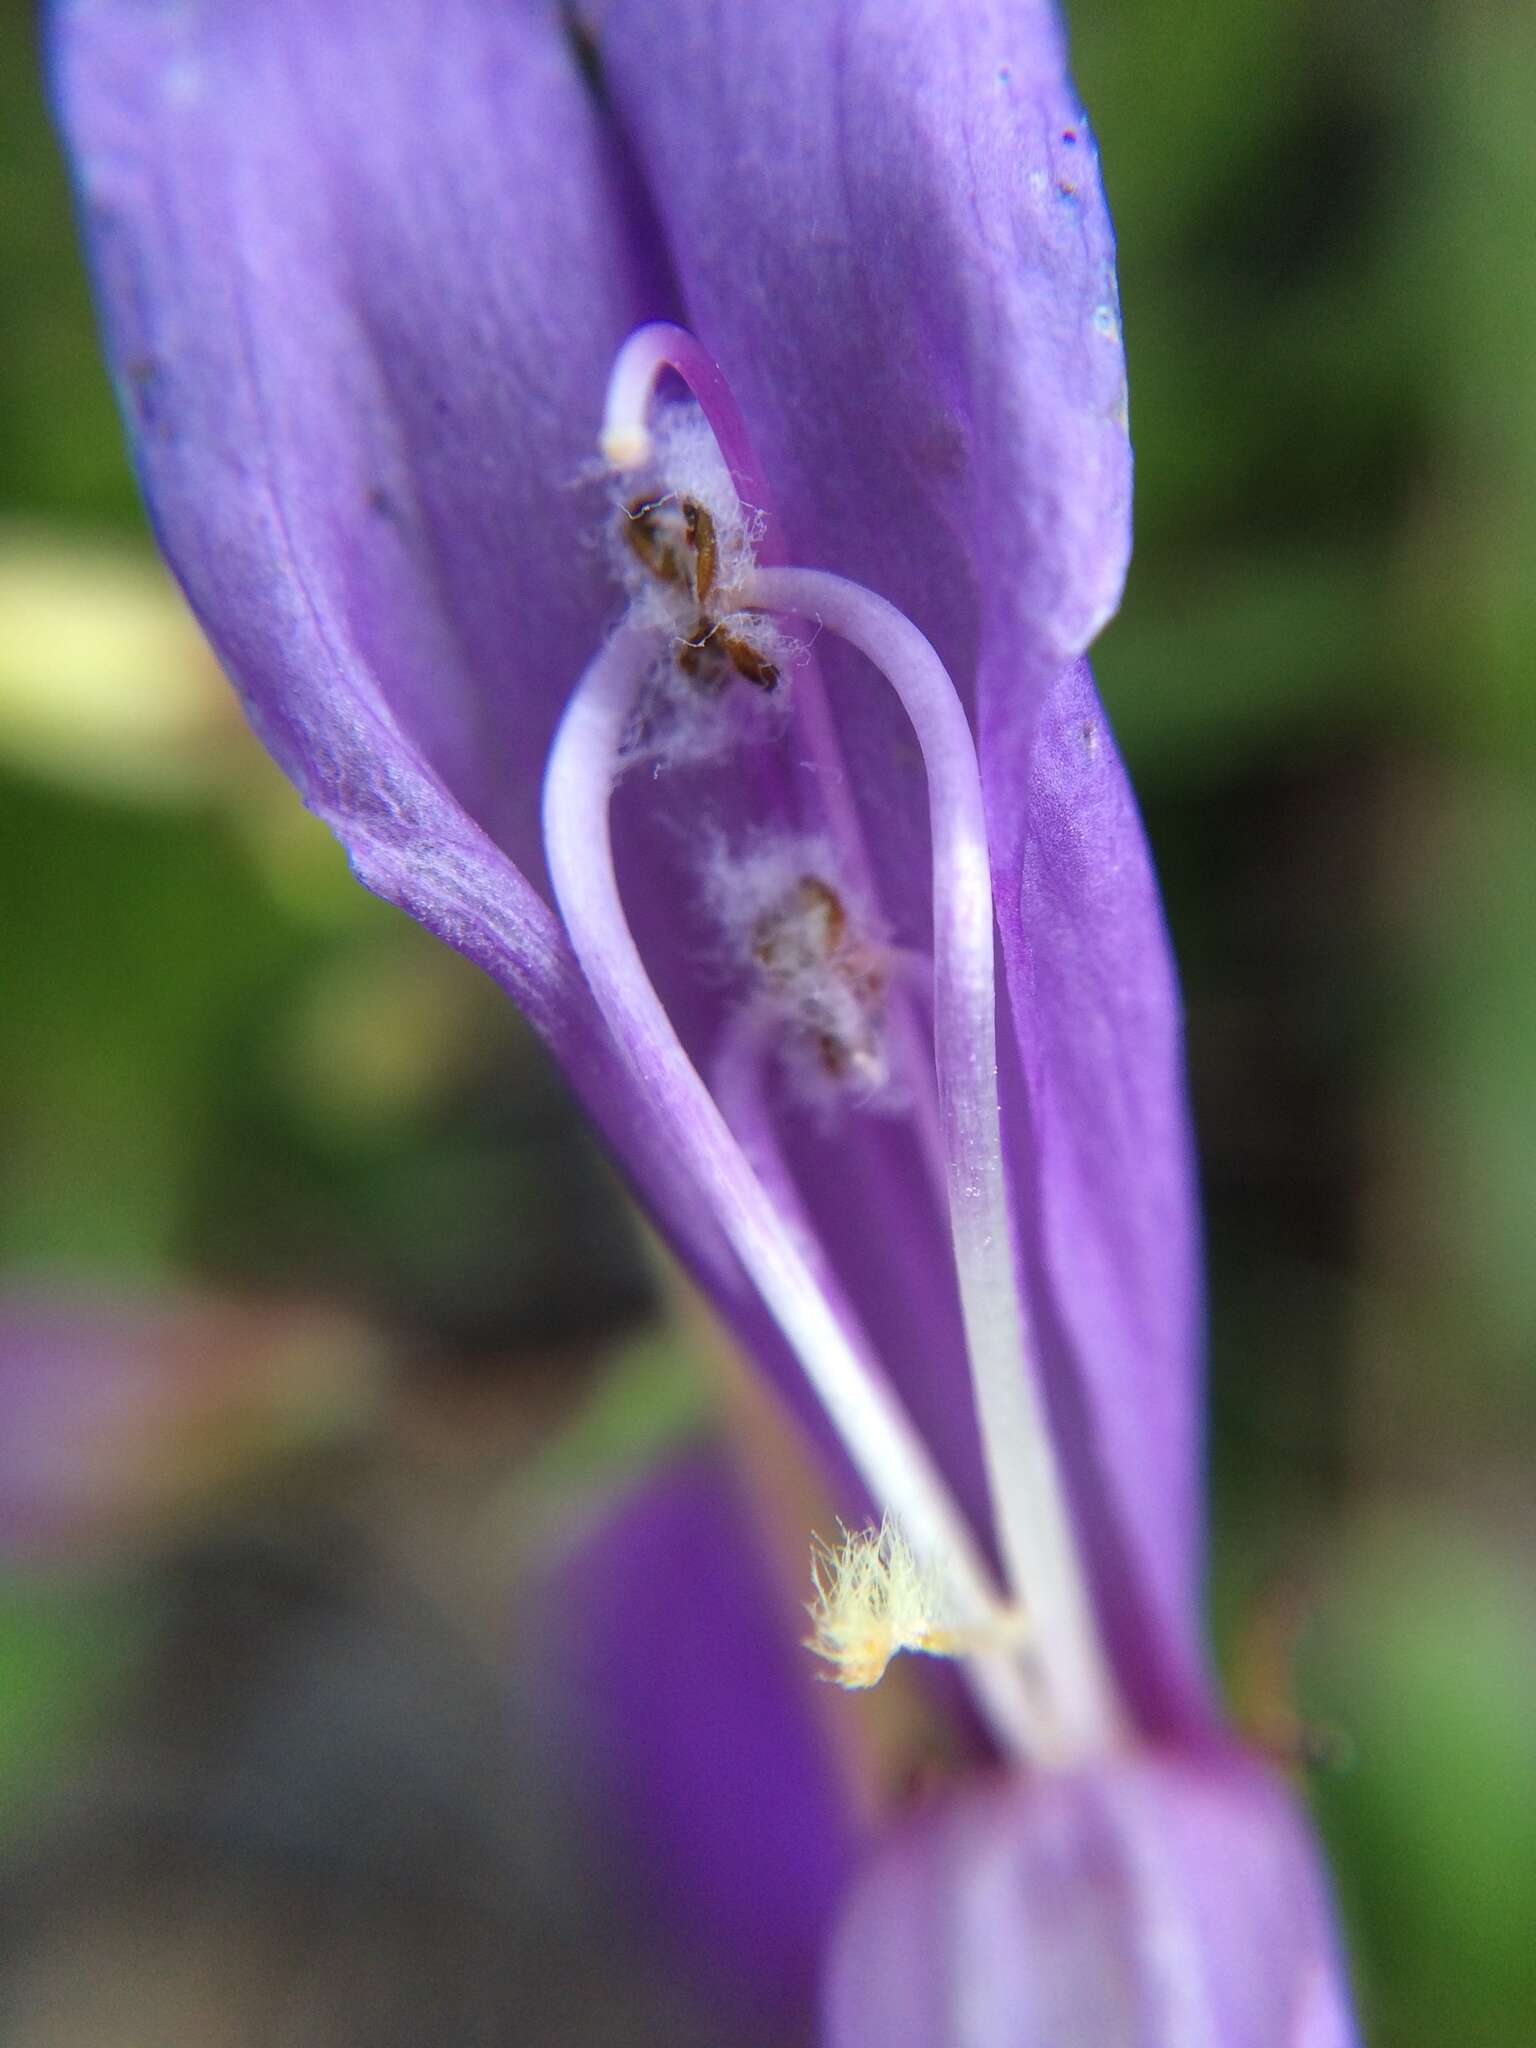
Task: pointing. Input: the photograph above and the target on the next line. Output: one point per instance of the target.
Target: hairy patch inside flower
(685, 550)
(816, 972)
(873, 1599)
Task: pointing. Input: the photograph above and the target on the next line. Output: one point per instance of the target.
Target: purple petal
(270, 310)
(693, 1716)
(1139, 1905)
(1103, 1163)
(316, 360)
(886, 222)
(362, 276)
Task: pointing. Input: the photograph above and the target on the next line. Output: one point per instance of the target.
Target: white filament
(888, 1453)
(1029, 1505)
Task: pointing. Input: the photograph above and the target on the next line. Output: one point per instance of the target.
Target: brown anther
(805, 947)
(809, 924)
(701, 655)
(833, 1055)
(647, 534)
(699, 532)
(708, 649)
(748, 662)
(815, 894)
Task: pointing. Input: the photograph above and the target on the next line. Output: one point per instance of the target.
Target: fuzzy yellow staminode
(873, 1599)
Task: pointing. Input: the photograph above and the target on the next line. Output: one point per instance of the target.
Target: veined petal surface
(362, 278)
(362, 273)
(704, 1743)
(886, 221)
(1103, 1165)
(1137, 1905)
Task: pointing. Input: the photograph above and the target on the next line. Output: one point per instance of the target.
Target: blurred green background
(227, 1076)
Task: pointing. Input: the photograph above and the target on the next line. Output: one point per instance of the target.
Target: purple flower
(371, 281)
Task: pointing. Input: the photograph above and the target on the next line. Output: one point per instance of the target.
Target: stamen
(1030, 1510)
(878, 1434)
(687, 543)
(629, 444)
(827, 983)
(645, 529)
(748, 660)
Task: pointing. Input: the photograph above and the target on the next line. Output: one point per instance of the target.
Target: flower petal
(691, 1714)
(361, 277)
(886, 222)
(1143, 1905)
(1103, 1161)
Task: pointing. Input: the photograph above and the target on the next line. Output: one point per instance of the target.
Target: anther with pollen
(667, 533)
(748, 660)
(676, 541)
(699, 532)
(701, 655)
(654, 533)
(709, 649)
(811, 923)
(833, 981)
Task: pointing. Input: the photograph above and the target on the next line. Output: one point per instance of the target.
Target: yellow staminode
(874, 1599)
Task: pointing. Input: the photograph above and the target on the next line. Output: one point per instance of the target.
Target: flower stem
(1029, 1505)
